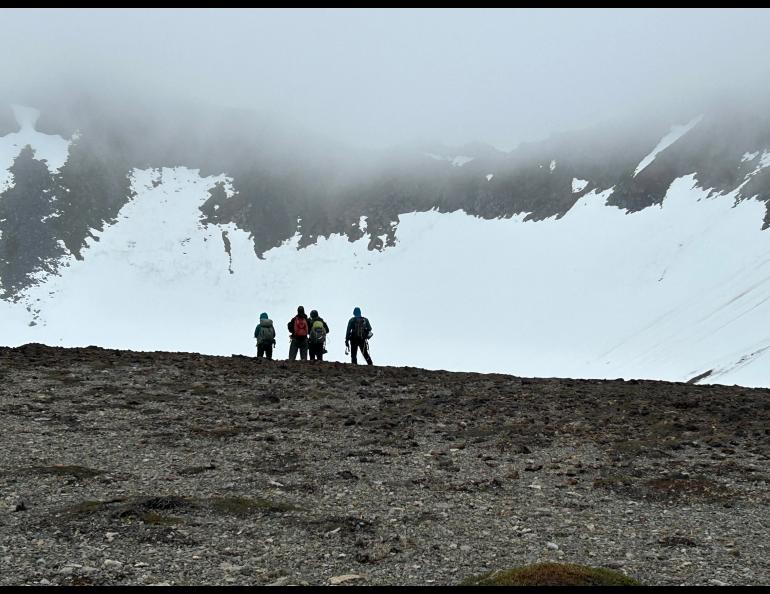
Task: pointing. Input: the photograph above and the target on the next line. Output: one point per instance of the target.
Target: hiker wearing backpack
(357, 336)
(317, 338)
(265, 335)
(299, 330)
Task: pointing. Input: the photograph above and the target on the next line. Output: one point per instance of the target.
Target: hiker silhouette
(357, 337)
(298, 332)
(265, 335)
(317, 337)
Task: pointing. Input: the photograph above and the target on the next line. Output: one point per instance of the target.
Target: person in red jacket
(299, 328)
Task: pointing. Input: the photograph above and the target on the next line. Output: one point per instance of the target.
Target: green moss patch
(156, 510)
(156, 519)
(671, 487)
(552, 574)
(244, 506)
(89, 507)
(678, 487)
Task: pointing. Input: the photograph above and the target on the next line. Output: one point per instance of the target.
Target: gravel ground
(119, 467)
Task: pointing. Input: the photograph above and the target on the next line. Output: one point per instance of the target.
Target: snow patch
(677, 131)
(749, 156)
(457, 161)
(763, 162)
(51, 148)
(578, 185)
(461, 160)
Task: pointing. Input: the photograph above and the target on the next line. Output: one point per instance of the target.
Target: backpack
(265, 334)
(360, 328)
(318, 332)
(300, 327)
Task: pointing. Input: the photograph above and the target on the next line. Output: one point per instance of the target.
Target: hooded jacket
(290, 325)
(317, 318)
(264, 332)
(350, 333)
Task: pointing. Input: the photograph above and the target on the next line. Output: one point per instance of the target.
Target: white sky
(377, 77)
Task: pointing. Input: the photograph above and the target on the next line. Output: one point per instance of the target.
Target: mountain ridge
(609, 268)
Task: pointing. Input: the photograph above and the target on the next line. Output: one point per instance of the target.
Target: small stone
(341, 579)
(111, 563)
(552, 546)
(230, 567)
(717, 582)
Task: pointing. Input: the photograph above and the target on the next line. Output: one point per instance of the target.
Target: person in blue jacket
(357, 336)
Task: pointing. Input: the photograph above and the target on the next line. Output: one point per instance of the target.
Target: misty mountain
(280, 173)
(270, 185)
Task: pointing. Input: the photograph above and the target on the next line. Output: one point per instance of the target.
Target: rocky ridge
(123, 467)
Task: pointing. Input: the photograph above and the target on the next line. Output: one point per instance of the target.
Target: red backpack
(300, 327)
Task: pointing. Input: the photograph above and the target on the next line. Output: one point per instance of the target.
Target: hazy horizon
(380, 77)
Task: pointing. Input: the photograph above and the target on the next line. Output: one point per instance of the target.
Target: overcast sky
(377, 77)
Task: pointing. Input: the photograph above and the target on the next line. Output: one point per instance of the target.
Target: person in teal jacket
(265, 335)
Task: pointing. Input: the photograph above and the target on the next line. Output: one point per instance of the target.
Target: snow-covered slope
(48, 147)
(677, 131)
(664, 293)
(668, 292)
